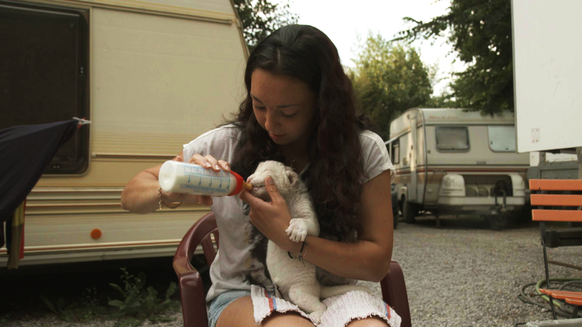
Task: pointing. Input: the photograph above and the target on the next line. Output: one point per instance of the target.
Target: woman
(299, 110)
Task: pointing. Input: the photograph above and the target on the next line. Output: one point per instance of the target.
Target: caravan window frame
(57, 89)
(437, 128)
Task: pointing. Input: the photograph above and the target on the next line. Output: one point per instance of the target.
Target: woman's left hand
(271, 218)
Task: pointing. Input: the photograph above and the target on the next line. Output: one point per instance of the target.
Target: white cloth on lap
(341, 309)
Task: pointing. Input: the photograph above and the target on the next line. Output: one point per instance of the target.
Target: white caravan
(451, 161)
(150, 75)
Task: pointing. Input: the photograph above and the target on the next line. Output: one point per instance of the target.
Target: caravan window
(452, 138)
(501, 138)
(44, 65)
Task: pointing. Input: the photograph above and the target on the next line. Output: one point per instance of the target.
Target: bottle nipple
(247, 186)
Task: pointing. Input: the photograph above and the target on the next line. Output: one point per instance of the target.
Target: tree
(260, 17)
(480, 31)
(388, 79)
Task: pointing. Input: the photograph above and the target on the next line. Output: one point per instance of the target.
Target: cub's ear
(292, 176)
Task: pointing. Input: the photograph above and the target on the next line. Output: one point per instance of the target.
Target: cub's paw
(315, 316)
(297, 230)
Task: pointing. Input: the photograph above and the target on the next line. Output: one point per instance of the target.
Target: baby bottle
(181, 177)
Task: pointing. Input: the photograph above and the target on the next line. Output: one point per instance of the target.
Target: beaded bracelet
(164, 203)
(302, 252)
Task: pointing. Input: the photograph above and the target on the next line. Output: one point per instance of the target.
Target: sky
(348, 22)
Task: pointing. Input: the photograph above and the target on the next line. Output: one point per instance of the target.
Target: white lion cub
(295, 279)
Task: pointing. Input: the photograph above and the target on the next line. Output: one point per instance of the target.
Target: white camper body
(158, 73)
(546, 71)
(453, 161)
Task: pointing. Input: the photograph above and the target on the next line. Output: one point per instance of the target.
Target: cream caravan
(150, 75)
(459, 162)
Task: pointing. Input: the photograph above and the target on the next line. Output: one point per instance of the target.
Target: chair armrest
(190, 282)
(394, 292)
(193, 298)
(191, 286)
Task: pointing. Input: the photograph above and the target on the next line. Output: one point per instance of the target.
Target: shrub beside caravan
(150, 75)
(450, 161)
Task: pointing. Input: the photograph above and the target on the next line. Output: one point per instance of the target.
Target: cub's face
(284, 177)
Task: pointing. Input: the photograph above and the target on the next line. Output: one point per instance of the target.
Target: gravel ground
(464, 274)
(461, 274)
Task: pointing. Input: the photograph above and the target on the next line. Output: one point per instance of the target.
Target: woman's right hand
(208, 162)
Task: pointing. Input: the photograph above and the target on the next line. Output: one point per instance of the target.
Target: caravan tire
(498, 222)
(409, 212)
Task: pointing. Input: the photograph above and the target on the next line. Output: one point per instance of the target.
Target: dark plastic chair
(192, 289)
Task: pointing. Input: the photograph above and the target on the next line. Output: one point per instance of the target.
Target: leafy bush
(139, 303)
(135, 304)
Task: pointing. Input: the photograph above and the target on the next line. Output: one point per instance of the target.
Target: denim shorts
(221, 302)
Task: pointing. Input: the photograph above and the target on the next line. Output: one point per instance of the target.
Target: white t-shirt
(234, 264)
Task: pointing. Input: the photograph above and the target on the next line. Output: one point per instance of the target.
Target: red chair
(192, 289)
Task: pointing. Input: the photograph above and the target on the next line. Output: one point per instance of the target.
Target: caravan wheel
(409, 211)
(395, 215)
(497, 222)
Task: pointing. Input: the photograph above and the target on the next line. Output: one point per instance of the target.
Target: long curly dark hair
(335, 171)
